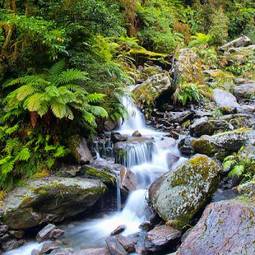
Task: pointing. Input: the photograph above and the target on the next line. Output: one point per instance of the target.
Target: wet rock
(179, 194)
(185, 146)
(136, 134)
(128, 242)
(225, 101)
(179, 117)
(118, 230)
(223, 144)
(47, 248)
(110, 125)
(226, 227)
(239, 42)
(115, 247)
(154, 86)
(69, 171)
(128, 180)
(146, 226)
(162, 236)
(102, 173)
(79, 149)
(12, 244)
(247, 188)
(117, 137)
(94, 251)
(245, 91)
(172, 159)
(49, 232)
(49, 200)
(17, 234)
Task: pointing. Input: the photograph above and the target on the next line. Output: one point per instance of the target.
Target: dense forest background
(64, 65)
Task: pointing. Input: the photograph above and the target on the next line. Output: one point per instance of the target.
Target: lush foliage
(64, 65)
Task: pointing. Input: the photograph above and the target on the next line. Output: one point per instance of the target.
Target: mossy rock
(51, 199)
(104, 174)
(180, 194)
(223, 144)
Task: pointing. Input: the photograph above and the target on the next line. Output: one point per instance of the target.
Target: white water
(92, 233)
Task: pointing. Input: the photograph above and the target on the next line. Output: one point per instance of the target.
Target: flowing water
(148, 163)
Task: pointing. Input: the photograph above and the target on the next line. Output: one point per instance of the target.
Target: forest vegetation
(64, 65)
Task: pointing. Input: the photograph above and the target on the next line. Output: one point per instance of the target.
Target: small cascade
(134, 153)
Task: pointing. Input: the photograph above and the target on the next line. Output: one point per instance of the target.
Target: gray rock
(223, 144)
(12, 244)
(226, 228)
(245, 91)
(163, 235)
(210, 126)
(179, 194)
(115, 247)
(136, 134)
(239, 42)
(178, 117)
(185, 146)
(50, 200)
(79, 149)
(118, 230)
(225, 100)
(117, 137)
(127, 242)
(49, 232)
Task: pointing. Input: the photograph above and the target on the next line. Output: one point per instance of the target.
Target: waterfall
(148, 161)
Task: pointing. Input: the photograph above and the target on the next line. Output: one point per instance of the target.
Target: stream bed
(91, 232)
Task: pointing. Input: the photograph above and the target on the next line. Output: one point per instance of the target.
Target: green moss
(102, 174)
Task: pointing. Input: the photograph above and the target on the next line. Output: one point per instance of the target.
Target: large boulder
(226, 228)
(50, 199)
(226, 101)
(245, 91)
(239, 42)
(223, 144)
(210, 126)
(146, 93)
(179, 194)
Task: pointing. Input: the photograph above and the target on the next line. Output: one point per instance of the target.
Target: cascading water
(147, 164)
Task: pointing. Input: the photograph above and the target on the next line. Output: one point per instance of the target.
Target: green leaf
(59, 109)
(23, 155)
(238, 170)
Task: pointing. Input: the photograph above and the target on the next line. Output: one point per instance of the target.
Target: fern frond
(59, 109)
(23, 155)
(98, 111)
(57, 68)
(90, 118)
(95, 97)
(70, 76)
(25, 91)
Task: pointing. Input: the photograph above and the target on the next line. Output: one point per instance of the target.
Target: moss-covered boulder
(178, 195)
(146, 93)
(210, 126)
(50, 199)
(223, 144)
(226, 227)
(102, 173)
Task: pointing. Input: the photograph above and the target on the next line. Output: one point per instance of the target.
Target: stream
(91, 233)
